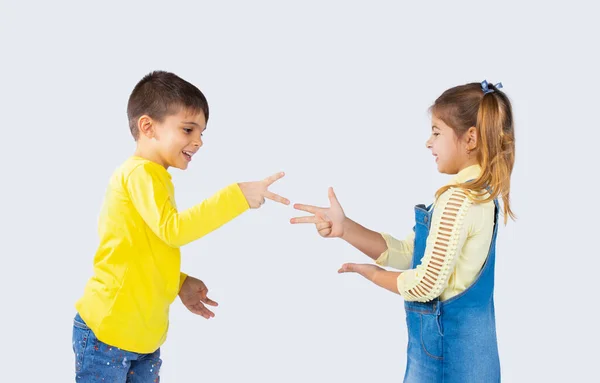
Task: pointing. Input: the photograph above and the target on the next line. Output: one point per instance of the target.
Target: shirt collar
(159, 167)
(469, 173)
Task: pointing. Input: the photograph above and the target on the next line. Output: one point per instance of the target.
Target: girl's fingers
(323, 225)
(311, 219)
(347, 268)
(308, 208)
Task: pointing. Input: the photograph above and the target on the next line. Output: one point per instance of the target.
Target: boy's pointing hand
(256, 192)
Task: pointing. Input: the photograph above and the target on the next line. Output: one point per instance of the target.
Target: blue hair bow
(486, 89)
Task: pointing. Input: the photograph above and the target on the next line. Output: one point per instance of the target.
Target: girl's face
(452, 154)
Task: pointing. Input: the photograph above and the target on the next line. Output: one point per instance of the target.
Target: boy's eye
(187, 130)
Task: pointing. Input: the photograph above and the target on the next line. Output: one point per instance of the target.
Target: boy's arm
(152, 200)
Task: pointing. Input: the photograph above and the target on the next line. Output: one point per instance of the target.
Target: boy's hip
(95, 358)
(123, 325)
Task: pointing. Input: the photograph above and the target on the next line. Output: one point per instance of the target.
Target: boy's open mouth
(188, 155)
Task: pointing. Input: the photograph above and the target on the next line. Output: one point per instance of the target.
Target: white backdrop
(334, 94)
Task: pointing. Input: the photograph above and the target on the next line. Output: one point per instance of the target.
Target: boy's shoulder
(139, 164)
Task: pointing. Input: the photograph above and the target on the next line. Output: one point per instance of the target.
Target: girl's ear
(472, 138)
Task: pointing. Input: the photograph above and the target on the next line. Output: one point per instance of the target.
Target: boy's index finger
(271, 179)
(276, 198)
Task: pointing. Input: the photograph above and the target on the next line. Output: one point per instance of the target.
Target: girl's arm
(381, 277)
(370, 242)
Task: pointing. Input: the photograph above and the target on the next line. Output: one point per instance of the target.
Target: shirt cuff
(383, 258)
(182, 277)
(401, 283)
(241, 203)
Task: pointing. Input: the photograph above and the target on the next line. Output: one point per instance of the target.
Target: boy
(122, 317)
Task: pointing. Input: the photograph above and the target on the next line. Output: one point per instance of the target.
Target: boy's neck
(149, 154)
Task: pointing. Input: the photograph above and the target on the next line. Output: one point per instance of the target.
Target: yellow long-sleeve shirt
(137, 264)
(457, 246)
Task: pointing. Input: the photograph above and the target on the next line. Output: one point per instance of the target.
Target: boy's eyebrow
(190, 123)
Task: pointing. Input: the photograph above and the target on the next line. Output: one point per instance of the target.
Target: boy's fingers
(307, 208)
(210, 302)
(312, 219)
(276, 198)
(203, 311)
(273, 178)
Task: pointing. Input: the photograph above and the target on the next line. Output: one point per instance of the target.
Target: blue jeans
(96, 361)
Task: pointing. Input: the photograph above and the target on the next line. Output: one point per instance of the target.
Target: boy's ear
(146, 126)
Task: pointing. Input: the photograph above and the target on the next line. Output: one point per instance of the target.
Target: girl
(448, 259)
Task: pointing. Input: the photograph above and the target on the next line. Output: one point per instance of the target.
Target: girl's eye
(435, 134)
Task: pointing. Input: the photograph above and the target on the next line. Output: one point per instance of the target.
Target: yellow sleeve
(182, 277)
(399, 253)
(152, 200)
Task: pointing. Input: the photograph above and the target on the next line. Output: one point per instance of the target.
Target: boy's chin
(181, 166)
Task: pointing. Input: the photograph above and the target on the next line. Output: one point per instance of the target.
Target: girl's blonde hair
(488, 109)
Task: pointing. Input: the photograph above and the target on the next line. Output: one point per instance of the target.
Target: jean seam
(85, 341)
(420, 311)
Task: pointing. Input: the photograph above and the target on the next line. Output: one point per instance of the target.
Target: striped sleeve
(447, 235)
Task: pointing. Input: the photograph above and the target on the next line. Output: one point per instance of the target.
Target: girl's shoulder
(461, 198)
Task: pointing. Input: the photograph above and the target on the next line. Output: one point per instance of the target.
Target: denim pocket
(431, 339)
(80, 324)
(81, 336)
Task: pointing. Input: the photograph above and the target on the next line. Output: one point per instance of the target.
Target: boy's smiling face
(173, 141)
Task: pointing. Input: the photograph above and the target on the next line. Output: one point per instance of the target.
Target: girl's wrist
(346, 228)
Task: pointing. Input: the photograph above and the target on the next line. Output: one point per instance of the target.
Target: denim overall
(453, 340)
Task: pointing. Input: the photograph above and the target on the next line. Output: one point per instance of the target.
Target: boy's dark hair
(160, 94)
